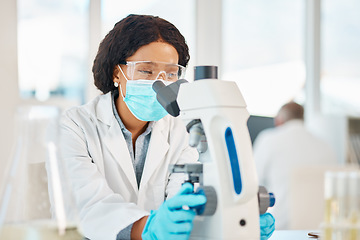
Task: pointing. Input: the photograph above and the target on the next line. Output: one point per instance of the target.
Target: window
(53, 48)
(340, 73)
(263, 51)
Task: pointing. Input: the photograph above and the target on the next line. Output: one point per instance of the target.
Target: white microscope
(216, 117)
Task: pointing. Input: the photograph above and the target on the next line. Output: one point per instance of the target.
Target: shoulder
(266, 135)
(284, 131)
(173, 129)
(171, 123)
(99, 107)
(267, 141)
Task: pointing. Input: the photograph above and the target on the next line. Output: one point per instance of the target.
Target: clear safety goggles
(149, 70)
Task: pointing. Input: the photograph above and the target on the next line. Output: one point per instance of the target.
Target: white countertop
(292, 234)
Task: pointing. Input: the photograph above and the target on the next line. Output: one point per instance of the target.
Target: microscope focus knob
(272, 199)
(266, 199)
(211, 201)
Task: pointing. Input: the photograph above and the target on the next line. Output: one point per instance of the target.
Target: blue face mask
(141, 100)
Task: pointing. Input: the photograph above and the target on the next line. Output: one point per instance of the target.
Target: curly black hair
(127, 36)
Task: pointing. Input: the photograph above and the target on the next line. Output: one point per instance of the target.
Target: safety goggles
(149, 70)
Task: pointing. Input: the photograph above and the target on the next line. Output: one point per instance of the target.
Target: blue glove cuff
(146, 234)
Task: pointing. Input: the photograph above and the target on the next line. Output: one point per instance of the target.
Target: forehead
(156, 51)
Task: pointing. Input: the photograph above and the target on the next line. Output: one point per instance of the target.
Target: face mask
(141, 100)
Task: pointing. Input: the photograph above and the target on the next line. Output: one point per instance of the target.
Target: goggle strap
(122, 73)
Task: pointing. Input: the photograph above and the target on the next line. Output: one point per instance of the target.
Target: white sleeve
(102, 213)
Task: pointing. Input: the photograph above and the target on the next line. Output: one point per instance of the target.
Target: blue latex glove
(171, 221)
(267, 225)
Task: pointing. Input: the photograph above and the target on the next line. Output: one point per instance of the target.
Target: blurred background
(276, 51)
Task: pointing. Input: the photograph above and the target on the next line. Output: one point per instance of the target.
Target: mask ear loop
(120, 83)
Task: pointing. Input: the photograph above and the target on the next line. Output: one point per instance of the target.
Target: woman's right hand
(171, 220)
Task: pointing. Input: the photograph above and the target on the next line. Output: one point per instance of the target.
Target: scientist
(279, 151)
(117, 148)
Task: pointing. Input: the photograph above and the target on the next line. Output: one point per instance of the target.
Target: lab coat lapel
(157, 150)
(114, 139)
(117, 146)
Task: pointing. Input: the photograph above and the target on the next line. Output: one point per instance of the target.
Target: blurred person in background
(279, 150)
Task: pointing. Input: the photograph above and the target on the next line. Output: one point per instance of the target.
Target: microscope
(215, 115)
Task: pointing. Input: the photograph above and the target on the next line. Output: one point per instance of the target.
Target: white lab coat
(101, 171)
(280, 150)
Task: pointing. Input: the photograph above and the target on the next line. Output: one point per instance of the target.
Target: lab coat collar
(104, 110)
(116, 143)
(293, 122)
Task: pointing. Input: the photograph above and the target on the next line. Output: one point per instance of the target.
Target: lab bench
(293, 234)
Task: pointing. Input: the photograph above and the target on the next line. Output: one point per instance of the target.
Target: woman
(118, 147)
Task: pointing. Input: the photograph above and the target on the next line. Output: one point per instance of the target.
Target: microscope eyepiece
(205, 72)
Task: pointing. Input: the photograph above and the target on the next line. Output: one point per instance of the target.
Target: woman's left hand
(267, 226)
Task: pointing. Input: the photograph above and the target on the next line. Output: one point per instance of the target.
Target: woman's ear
(116, 73)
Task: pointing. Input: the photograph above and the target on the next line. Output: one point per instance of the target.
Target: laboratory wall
(9, 77)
